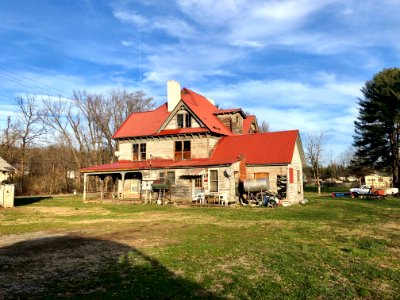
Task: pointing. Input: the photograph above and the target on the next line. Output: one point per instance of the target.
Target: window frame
(143, 150)
(183, 120)
(210, 180)
(188, 120)
(198, 182)
(139, 151)
(183, 154)
(171, 178)
(180, 121)
(135, 152)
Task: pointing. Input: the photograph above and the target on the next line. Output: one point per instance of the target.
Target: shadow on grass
(73, 266)
(21, 201)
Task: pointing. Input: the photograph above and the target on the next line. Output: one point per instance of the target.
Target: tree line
(51, 138)
(377, 133)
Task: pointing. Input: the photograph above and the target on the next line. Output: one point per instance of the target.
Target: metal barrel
(256, 185)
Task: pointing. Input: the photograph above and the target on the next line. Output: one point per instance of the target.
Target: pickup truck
(367, 190)
(364, 190)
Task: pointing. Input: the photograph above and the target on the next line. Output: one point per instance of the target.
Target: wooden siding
(201, 147)
(295, 189)
(233, 122)
(212, 141)
(125, 150)
(160, 149)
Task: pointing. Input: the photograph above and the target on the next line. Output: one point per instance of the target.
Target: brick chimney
(242, 168)
(173, 94)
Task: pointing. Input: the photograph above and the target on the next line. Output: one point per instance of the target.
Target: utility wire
(26, 85)
(8, 72)
(34, 87)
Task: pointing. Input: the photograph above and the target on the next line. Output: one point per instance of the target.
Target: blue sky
(296, 64)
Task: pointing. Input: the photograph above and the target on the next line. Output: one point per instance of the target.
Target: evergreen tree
(377, 128)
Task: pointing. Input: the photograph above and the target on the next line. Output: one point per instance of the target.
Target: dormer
(232, 119)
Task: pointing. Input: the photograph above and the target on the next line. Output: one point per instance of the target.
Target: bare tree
(264, 126)
(110, 110)
(31, 127)
(315, 154)
(8, 141)
(85, 124)
(61, 116)
(344, 159)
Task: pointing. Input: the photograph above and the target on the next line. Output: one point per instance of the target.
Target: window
(142, 151)
(135, 152)
(139, 152)
(135, 186)
(182, 150)
(183, 120)
(179, 120)
(161, 175)
(213, 180)
(261, 175)
(188, 120)
(198, 182)
(171, 177)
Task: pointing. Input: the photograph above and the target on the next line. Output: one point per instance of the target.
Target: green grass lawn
(331, 248)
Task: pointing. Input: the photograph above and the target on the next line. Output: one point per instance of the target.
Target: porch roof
(125, 165)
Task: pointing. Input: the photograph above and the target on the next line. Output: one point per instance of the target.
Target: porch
(115, 186)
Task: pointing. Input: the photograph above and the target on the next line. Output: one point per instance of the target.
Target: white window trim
(134, 184)
(209, 180)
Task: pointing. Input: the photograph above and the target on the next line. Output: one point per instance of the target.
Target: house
(6, 170)
(199, 148)
(378, 181)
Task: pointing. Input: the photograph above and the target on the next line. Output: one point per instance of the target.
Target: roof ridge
(147, 111)
(264, 133)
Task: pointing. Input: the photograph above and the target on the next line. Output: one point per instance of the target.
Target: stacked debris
(281, 184)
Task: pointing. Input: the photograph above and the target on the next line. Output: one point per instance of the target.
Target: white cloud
(210, 12)
(174, 27)
(189, 64)
(171, 25)
(329, 105)
(130, 17)
(127, 43)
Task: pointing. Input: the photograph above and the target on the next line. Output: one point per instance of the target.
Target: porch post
(101, 188)
(123, 185)
(84, 185)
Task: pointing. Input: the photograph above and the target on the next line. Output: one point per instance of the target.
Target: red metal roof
(204, 109)
(148, 123)
(142, 123)
(247, 124)
(259, 148)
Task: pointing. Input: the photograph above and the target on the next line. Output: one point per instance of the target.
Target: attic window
(183, 120)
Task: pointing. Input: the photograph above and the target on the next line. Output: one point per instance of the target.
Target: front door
(197, 185)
